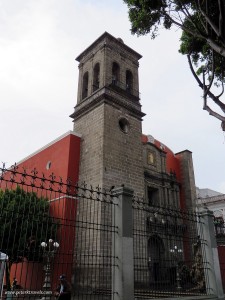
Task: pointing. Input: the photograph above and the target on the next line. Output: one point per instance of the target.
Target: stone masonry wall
(91, 127)
(122, 157)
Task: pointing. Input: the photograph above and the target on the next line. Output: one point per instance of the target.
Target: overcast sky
(39, 41)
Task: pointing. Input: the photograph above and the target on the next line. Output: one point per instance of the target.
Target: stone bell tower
(108, 115)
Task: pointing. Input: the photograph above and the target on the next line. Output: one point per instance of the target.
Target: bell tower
(108, 115)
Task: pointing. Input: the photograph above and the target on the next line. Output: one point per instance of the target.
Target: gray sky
(39, 41)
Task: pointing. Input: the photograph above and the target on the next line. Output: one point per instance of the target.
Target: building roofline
(99, 39)
(183, 151)
(212, 199)
(70, 132)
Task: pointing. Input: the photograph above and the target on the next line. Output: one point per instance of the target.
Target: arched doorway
(156, 251)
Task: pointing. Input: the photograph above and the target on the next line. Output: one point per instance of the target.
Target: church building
(107, 147)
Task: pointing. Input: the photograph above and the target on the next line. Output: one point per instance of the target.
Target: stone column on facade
(187, 178)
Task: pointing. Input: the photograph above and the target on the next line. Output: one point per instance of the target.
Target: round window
(124, 125)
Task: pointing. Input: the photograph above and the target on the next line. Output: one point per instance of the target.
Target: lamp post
(49, 250)
(175, 251)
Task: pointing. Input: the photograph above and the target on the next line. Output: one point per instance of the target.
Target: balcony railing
(128, 88)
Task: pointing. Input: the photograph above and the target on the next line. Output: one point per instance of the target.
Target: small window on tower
(115, 73)
(96, 79)
(129, 81)
(85, 86)
(124, 125)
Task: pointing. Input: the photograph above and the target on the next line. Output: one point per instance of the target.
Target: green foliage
(145, 16)
(198, 47)
(203, 39)
(148, 16)
(24, 223)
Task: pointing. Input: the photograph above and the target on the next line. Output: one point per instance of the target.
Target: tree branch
(209, 93)
(213, 74)
(198, 34)
(209, 21)
(184, 28)
(221, 20)
(188, 16)
(221, 91)
(213, 113)
(216, 47)
(207, 108)
(193, 71)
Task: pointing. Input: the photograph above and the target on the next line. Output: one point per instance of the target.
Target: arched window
(129, 81)
(85, 85)
(96, 79)
(115, 73)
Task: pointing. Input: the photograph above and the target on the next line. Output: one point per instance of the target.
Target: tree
(24, 223)
(203, 39)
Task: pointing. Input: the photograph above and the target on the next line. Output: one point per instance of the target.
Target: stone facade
(114, 152)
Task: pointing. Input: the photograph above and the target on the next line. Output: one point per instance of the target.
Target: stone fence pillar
(122, 246)
(210, 254)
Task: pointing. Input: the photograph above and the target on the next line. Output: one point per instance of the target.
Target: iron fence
(220, 237)
(168, 252)
(48, 228)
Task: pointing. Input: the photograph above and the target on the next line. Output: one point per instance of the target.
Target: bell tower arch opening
(96, 77)
(129, 81)
(115, 73)
(85, 85)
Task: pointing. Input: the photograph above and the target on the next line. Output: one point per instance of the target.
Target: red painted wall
(60, 157)
(64, 155)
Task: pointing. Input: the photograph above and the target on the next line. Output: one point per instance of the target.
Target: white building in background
(206, 193)
(215, 201)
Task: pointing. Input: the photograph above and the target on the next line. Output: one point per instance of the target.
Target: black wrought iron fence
(168, 252)
(221, 252)
(48, 228)
(220, 237)
(94, 233)
(122, 86)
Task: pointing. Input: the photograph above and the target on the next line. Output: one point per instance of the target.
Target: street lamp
(175, 251)
(49, 250)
